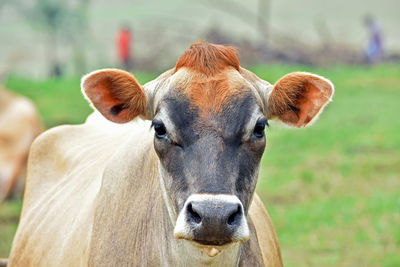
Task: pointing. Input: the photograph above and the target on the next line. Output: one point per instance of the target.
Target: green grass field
(332, 190)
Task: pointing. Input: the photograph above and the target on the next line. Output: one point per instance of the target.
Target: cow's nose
(225, 216)
(212, 220)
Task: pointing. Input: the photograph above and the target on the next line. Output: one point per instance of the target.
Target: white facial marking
(163, 116)
(183, 228)
(256, 114)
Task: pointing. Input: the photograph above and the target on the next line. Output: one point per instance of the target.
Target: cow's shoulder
(47, 195)
(65, 173)
(266, 236)
(68, 154)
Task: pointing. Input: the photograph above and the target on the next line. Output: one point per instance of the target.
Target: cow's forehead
(192, 111)
(209, 94)
(210, 79)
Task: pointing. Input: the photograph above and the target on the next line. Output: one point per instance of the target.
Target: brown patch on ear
(298, 98)
(115, 94)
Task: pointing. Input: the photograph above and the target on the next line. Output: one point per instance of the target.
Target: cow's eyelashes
(159, 128)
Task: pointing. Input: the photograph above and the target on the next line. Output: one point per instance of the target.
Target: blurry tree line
(283, 47)
(66, 24)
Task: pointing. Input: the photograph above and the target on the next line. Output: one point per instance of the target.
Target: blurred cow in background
(19, 125)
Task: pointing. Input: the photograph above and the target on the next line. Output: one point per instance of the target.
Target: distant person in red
(123, 42)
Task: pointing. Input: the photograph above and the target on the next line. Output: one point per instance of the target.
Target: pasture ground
(332, 190)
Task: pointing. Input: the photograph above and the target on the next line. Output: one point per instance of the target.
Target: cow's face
(209, 149)
(209, 116)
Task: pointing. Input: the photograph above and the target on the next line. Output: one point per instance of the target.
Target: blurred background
(332, 190)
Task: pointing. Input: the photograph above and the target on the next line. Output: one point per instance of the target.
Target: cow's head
(209, 116)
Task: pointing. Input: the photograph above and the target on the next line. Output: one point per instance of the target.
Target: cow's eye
(259, 129)
(160, 130)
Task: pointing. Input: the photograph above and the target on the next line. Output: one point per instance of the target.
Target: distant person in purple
(374, 50)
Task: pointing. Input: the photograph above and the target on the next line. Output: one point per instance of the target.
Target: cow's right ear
(298, 98)
(115, 94)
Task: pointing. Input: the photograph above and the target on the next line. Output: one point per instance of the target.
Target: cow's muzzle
(212, 220)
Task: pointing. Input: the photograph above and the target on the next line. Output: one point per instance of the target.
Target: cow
(19, 125)
(162, 174)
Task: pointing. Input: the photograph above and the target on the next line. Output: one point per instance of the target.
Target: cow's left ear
(115, 94)
(298, 98)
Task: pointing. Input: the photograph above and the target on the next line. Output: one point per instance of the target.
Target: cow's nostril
(235, 217)
(212, 220)
(192, 215)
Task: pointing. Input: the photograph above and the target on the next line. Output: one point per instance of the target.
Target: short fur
(207, 87)
(208, 59)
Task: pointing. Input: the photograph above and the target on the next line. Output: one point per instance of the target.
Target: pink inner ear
(310, 104)
(100, 95)
(102, 99)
